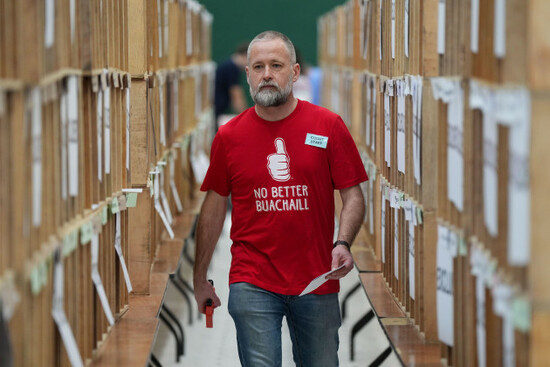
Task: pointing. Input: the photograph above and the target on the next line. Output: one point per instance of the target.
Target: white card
(500, 29)
(99, 121)
(96, 278)
(441, 28)
(411, 260)
(72, 95)
(36, 134)
(316, 140)
(393, 29)
(401, 127)
(406, 28)
(396, 243)
(107, 128)
(58, 313)
(319, 281)
(474, 26)
(118, 249)
(445, 294)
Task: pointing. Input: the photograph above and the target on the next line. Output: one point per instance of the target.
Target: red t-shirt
(281, 176)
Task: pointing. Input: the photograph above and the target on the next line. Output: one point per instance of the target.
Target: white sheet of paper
(36, 134)
(63, 122)
(444, 294)
(396, 243)
(383, 224)
(166, 26)
(406, 28)
(158, 206)
(374, 109)
(173, 187)
(199, 160)
(96, 278)
(400, 126)
(387, 130)
(107, 128)
(99, 121)
(417, 127)
(500, 29)
(411, 260)
(128, 128)
(474, 26)
(509, 340)
(363, 29)
(441, 28)
(73, 18)
(49, 23)
(58, 313)
(164, 200)
(481, 332)
(393, 29)
(455, 148)
(189, 33)
(159, 12)
(118, 249)
(519, 195)
(72, 95)
(490, 173)
(162, 122)
(319, 281)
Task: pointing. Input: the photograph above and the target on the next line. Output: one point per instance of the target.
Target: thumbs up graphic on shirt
(278, 162)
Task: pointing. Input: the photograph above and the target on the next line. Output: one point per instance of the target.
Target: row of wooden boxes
(103, 107)
(447, 101)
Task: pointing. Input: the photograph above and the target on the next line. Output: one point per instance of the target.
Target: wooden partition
(100, 103)
(447, 101)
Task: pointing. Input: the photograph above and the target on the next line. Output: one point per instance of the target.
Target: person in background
(229, 97)
(302, 86)
(281, 161)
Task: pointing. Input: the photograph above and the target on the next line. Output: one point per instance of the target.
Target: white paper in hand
(319, 281)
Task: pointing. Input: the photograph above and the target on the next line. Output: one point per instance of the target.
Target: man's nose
(267, 73)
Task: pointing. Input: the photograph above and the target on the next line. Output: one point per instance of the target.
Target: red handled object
(209, 310)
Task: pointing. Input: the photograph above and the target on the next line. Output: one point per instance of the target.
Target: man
(281, 161)
(229, 97)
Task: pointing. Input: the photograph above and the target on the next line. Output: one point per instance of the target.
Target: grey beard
(271, 98)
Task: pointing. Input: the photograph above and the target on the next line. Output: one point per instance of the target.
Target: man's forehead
(269, 46)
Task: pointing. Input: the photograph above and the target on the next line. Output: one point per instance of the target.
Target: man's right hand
(204, 291)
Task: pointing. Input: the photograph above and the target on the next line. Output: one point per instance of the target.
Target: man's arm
(209, 227)
(351, 218)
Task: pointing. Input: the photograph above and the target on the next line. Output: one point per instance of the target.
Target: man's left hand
(341, 256)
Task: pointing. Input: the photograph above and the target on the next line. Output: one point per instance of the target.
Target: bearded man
(281, 161)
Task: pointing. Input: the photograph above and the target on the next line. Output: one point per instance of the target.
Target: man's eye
(257, 67)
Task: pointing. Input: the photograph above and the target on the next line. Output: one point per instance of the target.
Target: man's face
(270, 73)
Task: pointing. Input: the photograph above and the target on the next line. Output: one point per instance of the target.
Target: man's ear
(296, 69)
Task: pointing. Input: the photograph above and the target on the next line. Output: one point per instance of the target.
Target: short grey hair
(273, 35)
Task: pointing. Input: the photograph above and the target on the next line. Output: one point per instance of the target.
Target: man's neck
(278, 112)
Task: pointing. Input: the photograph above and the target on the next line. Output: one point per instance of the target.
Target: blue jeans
(313, 322)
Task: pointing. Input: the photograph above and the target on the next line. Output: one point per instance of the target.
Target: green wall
(239, 20)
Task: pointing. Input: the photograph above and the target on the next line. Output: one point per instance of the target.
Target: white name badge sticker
(318, 141)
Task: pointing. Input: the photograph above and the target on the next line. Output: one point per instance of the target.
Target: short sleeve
(346, 166)
(217, 176)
